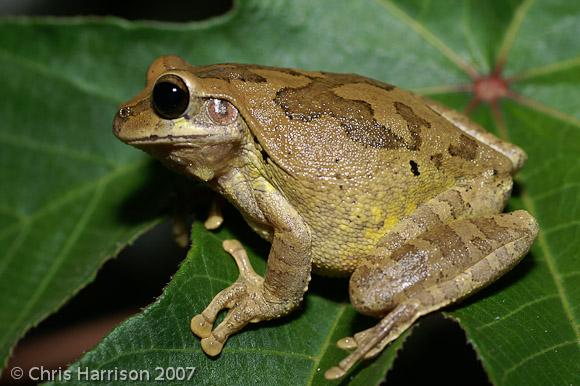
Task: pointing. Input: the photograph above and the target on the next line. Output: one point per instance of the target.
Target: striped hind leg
(436, 268)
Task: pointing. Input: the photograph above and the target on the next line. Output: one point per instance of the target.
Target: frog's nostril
(125, 112)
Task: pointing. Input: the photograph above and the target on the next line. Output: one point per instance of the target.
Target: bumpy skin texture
(344, 175)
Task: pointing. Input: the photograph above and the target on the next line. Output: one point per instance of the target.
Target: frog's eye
(170, 97)
(221, 111)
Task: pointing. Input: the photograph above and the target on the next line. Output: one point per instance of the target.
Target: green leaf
(294, 351)
(64, 210)
(66, 186)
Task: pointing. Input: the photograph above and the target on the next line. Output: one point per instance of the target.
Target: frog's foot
(371, 342)
(247, 300)
(202, 324)
(214, 217)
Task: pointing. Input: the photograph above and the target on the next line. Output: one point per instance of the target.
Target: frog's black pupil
(170, 100)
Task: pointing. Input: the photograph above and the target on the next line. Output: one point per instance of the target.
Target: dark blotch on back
(466, 148)
(229, 73)
(414, 168)
(318, 99)
(437, 160)
(293, 72)
(414, 123)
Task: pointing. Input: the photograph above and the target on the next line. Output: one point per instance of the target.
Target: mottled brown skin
(345, 176)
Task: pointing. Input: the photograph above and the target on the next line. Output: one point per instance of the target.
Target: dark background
(437, 352)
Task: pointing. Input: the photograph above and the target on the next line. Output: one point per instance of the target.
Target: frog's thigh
(444, 264)
(433, 270)
(483, 195)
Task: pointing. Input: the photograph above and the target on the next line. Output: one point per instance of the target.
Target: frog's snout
(123, 113)
(132, 120)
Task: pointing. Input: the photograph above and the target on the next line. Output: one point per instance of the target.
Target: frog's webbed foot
(247, 299)
(214, 218)
(371, 342)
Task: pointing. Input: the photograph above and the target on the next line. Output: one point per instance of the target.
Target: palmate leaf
(72, 195)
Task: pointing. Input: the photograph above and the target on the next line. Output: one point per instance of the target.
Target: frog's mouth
(170, 152)
(177, 140)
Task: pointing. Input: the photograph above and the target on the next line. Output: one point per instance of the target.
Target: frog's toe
(352, 342)
(211, 346)
(215, 217)
(234, 321)
(237, 251)
(371, 342)
(213, 222)
(200, 326)
(244, 299)
(334, 373)
(347, 343)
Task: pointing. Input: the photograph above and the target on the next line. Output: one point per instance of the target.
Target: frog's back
(354, 155)
(314, 125)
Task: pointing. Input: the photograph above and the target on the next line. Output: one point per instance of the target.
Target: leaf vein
(14, 246)
(559, 227)
(549, 69)
(26, 143)
(517, 310)
(512, 31)
(429, 37)
(570, 274)
(534, 356)
(469, 37)
(552, 269)
(325, 345)
(194, 350)
(550, 192)
(70, 195)
(51, 74)
(210, 278)
(544, 109)
(58, 259)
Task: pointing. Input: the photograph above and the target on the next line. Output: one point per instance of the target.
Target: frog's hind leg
(438, 267)
(391, 326)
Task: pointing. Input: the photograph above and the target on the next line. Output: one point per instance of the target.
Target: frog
(345, 176)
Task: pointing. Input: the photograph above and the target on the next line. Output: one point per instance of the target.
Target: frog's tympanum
(344, 175)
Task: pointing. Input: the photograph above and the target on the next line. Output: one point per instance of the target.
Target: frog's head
(180, 124)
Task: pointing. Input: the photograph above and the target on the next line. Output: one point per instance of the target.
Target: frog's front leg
(252, 298)
(438, 267)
